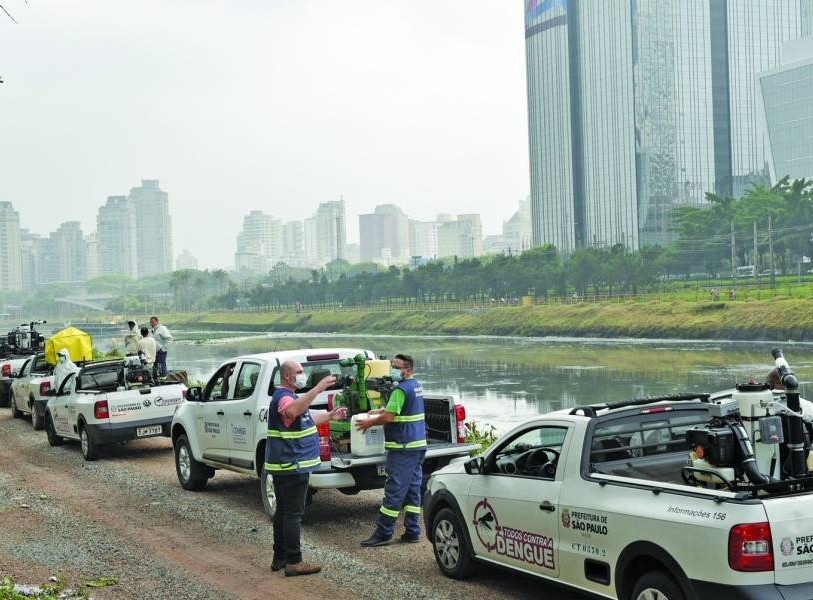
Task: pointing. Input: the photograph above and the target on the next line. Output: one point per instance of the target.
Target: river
(504, 380)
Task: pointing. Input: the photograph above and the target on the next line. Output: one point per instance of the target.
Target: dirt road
(126, 516)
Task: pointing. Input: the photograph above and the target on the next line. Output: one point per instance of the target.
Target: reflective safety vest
(407, 431)
(294, 449)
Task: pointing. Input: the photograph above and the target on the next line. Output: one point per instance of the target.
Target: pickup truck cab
(595, 499)
(28, 390)
(108, 402)
(9, 369)
(224, 426)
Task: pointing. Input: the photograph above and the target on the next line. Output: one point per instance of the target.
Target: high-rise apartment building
(153, 228)
(331, 231)
(11, 261)
(259, 244)
(293, 243)
(787, 94)
(384, 235)
(28, 245)
(91, 256)
(69, 252)
(116, 237)
(310, 236)
(638, 106)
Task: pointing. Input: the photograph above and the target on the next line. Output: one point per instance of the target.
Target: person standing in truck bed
(163, 338)
(405, 442)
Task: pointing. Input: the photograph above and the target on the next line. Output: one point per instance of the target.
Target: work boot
(301, 568)
(278, 564)
(377, 539)
(410, 539)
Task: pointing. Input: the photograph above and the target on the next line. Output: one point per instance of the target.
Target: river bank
(779, 319)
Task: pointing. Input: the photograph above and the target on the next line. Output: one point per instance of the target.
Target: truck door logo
(786, 546)
(525, 546)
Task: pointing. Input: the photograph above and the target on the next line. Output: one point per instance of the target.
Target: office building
(516, 231)
(116, 237)
(11, 263)
(423, 240)
(493, 244)
(787, 94)
(153, 228)
(384, 235)
(185, 260)
(637, 107)
(462, 238)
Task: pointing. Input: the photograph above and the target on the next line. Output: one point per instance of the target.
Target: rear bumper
(110, 433)
(705, 589)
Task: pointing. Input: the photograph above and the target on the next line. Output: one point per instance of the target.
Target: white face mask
(300, 381)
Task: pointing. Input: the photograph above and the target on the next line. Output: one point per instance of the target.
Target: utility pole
(733, 264)
(770, 250)
(756, 251)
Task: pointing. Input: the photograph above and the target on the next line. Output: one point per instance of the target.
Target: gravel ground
(126, 516)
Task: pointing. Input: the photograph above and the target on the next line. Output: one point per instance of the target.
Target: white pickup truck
(108, 402)
(29, 388)
(224, 426)
(605, 500)
(9, 369)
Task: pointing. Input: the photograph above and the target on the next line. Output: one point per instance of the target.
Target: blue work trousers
(402, 490)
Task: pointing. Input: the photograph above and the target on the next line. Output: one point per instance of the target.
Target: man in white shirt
(147, 345)
(163, 338)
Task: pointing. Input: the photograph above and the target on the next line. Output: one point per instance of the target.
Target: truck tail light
(460, 417)
(324, 441)
(100, 410)
(183, 393)
(6, 370)
(750, 547)
(44, 387)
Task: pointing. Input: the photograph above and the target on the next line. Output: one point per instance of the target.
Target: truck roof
(310, 354)
(593, 411)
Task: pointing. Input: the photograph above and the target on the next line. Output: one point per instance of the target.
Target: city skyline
(261, 127)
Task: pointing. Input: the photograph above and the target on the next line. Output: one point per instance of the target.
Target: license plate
(149, 430)
(382, 471)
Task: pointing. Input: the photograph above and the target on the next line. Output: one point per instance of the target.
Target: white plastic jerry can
(366, 443)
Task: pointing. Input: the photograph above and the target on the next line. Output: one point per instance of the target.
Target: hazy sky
(262, 104)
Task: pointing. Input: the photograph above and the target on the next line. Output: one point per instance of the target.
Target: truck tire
(5, 395)
(267, 494)
(90, 450)
(50, 431)
(450, 546)
(36, 419)
(15, 412)
(657, 585)
(192, 474)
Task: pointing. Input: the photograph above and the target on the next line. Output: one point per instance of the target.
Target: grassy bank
(780, 319)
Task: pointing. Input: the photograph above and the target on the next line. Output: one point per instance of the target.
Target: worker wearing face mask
(405, 441)
(291, 454)
(63, 368)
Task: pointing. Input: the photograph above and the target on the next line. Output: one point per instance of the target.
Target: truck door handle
(221, 413)
(247, 413)
(547, 506)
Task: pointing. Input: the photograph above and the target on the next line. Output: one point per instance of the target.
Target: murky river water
(503, 380)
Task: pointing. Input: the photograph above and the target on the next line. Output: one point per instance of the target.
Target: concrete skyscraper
(153, 228)
(259, 244)
(11, 258)
(331, 231)
(638, 106)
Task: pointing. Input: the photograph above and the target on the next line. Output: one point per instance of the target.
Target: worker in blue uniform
(405, 442)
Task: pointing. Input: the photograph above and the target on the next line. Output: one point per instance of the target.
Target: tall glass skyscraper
(638, 106)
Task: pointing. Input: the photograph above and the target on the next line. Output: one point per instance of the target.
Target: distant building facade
(516, 231)
(259, 244)
(153, 228)
(11, 263)
(116, 237)
(462, 238)
(384, 235)
(636, 107)
(331, 231)
(423, 240)
(787, 94)
(185, 260)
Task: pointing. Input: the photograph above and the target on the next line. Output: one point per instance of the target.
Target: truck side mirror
(194, 394)
(51, 393)
(475, 466)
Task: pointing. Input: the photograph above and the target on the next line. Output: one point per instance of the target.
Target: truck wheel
(15, 412)
(267, 494)
(657, 585)
(450, 547)
(89, 450)
(50, 431)
(191, 474)
(36, 419)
